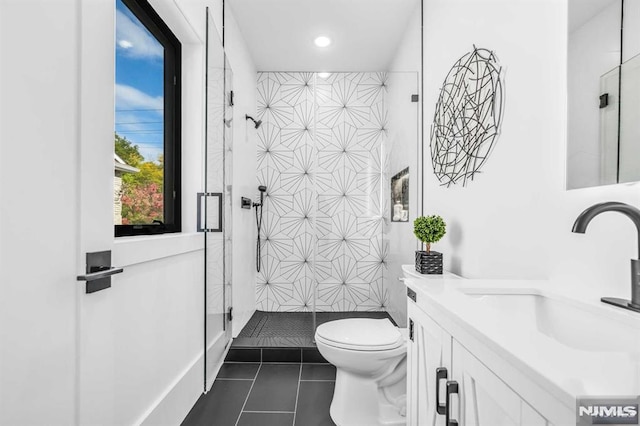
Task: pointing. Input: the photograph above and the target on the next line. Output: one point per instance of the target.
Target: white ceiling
(365, 33)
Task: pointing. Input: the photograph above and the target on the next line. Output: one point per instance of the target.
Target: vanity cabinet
(439, 367)
(429, 362)
(484, 399)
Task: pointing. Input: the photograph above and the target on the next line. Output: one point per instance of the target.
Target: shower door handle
(216, 198)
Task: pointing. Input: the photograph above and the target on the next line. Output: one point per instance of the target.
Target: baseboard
(242, 320)
(174, 404)
(220, 348)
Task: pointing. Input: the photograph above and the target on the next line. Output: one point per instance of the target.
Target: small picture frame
(400, 196)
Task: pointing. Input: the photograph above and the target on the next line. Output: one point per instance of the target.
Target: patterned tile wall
(321, 155)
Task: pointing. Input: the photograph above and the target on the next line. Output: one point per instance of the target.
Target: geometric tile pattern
(322, 156)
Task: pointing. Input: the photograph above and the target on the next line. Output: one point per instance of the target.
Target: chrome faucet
(580, 226)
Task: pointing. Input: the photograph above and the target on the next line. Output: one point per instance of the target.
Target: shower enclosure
(328, 147)
(215, 201)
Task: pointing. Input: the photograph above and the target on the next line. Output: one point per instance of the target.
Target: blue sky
(139, 84)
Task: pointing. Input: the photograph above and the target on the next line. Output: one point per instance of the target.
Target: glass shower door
(216, 203)
(228, 194)
(366, 137)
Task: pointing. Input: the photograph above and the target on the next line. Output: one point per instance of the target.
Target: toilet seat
(360, 334)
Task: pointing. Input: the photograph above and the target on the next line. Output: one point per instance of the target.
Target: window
(147, 122)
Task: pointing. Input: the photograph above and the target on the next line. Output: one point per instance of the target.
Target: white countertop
(561, 369)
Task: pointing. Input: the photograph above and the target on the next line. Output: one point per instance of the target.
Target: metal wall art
(467, 118)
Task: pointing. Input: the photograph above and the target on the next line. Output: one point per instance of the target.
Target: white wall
(160, 323)
(515, 219)
(174, 313)
(404, 143)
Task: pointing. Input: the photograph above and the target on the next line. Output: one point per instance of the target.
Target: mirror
(603, 85)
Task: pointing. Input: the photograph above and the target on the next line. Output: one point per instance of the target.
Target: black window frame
(172, 195)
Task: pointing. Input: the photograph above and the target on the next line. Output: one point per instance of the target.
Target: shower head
(257, 123)
(262, 190)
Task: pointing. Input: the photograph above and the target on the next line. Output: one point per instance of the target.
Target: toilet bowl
(370, 356)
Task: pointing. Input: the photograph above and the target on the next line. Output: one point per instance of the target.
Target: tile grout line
(295, 409)
(277, 362)
(269, 412)
(231, 378)
(317, 380)
(248, 393)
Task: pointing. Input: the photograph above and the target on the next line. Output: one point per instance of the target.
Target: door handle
(99, 271)
(92, 276)
(452, 388)
(441, 373)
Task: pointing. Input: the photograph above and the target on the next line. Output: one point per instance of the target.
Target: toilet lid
(360, 334)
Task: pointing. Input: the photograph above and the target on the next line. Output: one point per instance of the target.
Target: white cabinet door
(483, 399)
(429, 350)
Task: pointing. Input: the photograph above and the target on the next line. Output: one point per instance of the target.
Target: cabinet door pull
(441, 373)
(452, 388)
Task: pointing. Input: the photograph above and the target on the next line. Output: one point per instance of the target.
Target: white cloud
(135, 39)
(130, 98)
(125, 44)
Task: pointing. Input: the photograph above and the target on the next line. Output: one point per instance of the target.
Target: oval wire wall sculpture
(467, 119)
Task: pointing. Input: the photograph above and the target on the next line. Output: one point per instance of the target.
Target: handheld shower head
(262, 190)
(256, 123)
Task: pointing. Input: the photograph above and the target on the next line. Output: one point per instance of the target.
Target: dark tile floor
(265, 394)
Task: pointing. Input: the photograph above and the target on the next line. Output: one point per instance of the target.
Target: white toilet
(370, 356)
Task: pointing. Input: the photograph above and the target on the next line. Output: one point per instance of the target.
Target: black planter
(429, 263)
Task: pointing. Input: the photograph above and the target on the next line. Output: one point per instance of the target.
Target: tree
(142, 204)
(129, 153)
(142, 192)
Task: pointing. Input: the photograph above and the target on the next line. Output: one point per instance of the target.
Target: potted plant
(429, 229)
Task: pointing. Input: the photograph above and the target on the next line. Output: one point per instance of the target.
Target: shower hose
(259, 225)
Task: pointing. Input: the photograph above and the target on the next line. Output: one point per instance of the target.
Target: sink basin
(569, 323)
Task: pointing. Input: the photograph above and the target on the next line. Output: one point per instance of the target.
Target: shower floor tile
(290, 329)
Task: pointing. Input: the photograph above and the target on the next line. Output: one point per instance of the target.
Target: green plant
(429, 229)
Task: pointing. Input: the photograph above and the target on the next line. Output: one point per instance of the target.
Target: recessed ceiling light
(324, 75)
(322, 41)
